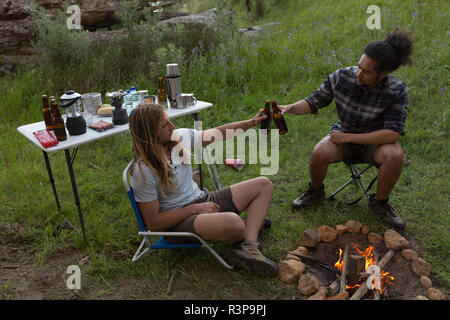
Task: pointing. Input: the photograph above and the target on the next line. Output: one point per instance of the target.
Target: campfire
(349, 262)
(358, 267)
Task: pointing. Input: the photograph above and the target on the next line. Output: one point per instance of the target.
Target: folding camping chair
(146, 246)
(355, 177)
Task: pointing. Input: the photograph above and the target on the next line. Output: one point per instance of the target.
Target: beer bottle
(47, 114)
(279, 118)
(265, 124)
(162, 95)
(58, 123)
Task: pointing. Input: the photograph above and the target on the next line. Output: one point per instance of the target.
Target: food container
(91, 102)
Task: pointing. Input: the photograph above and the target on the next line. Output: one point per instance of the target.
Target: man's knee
(322, 155)
(391, 154)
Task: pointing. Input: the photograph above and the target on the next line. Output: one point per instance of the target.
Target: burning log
(355, 266)
(333, 288)
(381, 264)
(344, 270)
(362, 290)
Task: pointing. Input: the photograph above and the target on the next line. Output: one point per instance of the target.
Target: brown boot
(309, 196)
(383, 208)
(248, 256)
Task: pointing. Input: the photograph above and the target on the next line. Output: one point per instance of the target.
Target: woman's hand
(206, 207)
(256, 120)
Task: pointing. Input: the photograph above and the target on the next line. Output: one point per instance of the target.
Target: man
(169, 199)
(372, 109)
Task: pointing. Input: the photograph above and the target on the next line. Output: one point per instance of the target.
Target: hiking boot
(248, 256)
(383, 208)
(309, 196)
(266, 224)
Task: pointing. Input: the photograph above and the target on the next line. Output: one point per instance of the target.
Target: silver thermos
(173, 83)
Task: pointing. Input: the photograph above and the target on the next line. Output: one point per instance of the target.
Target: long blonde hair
(144, 125)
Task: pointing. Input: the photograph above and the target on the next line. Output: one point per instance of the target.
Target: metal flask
(173, 84)
(71, 102)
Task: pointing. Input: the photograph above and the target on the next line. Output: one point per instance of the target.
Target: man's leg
(324, 153)
(390, 157)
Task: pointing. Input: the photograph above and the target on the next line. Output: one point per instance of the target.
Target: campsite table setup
(74, 140)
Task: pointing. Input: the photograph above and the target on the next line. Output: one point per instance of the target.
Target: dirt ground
(20, 279)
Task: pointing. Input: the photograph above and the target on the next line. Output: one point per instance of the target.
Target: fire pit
(350, 262)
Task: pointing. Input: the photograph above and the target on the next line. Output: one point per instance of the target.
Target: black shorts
(222, 197)
(358, 153)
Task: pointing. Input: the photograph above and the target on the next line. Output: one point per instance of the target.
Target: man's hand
(283, 109)
(206, 207)
(338, 137)
(258, 117)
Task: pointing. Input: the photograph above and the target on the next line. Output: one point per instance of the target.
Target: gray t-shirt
(186, 189)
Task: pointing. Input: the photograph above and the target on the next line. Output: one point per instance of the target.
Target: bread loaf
(105, 111)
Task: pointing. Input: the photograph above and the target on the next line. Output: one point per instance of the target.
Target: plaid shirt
(362, 110)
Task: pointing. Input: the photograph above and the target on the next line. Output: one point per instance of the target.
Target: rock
(409, 254)
(421, 267)
(308, 284)
(394, 241)
(256, 32)
(340, 296)
(353, 226)
(426, 282)
(310, 238)
(290, 256)
(303, 251)
(205, 20)
(419, 297)
(327, 234)
(290, 271)
(340, 228)
(375, 238)
(321, 294)
(435, 294)
(365, 230)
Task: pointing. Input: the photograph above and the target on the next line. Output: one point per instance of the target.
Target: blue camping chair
(146, 246)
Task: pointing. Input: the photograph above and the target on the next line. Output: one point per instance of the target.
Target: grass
(314, 39)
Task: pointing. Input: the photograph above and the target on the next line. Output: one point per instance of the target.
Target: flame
(368, 255)
(339, 263)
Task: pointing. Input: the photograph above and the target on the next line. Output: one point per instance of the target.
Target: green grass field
(313, 39)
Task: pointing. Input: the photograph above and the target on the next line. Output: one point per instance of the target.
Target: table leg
(200, 165)
(52, 181)
(75, 192)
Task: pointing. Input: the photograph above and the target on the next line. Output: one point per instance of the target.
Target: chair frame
(146, 246)
(355, 176)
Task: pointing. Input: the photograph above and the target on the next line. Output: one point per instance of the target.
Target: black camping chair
(355, 177)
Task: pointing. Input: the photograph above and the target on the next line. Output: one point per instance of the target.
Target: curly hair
(393, 51)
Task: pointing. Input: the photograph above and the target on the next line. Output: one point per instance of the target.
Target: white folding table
(73, 142)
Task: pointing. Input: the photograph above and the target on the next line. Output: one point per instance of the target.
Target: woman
(169, 199)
